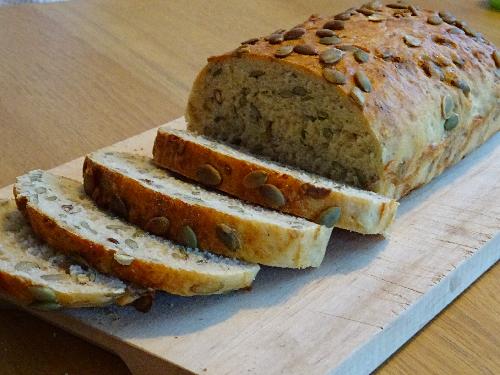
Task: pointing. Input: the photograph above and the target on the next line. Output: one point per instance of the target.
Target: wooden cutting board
(369, 296)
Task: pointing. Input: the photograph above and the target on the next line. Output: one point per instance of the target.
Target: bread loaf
(243, 175)
(61, 215)
(159, 202)
(33, 274)
(380, 97)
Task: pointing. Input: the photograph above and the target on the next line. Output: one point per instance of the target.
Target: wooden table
(80, 75)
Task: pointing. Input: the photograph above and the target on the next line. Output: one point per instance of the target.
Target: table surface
(80, 75)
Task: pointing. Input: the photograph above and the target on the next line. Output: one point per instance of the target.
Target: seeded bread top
(23, 256)
(65, 201)
(414, 75)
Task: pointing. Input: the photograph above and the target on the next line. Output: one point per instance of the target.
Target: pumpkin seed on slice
(324, 33)
(447, 106)
(43, 294)
(358, 96)
(158, 225)
(362, 81)
(208, 175)
(329, 217)
(434, 20)
(329, 40)
(207, 289)
(131, 243)
(272, 195)
(123, 259)
(283, 51)
(331, 56)
(361, 56)
(51, 198)
(189, 237)
(305, 49)
(334, 76)
(26, 266)
(452, 122)
(294, 33)
(376, 17)
(412, 41)
(40, 190)
(228, 236)
(334, 25)
(342, 16)
(275, 38)
(255, 179)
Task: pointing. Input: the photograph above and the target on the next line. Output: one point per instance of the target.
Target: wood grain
(80, 75)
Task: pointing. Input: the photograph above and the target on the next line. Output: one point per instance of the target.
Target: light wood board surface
(80, 75)
(369, 296)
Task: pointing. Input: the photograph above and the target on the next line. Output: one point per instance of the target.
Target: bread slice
(157, 201)
(61, 214)
(33, 274)
(306, 195)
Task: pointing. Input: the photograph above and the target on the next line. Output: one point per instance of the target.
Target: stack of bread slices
(197, 219)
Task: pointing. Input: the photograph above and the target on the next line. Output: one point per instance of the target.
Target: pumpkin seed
(447, 106)
(294, 33)
(342, 16)
(496, 58)
(413, 10)
(452, 122)
(283, 51)
(131, 243)
(272, 195)
(377, 17)
(255, 179)
(440, 39)
(347, 48)
(329, 40)
(412, 41)
(228, 236)
(208, 175)
(86, 225)
(442, 60)
(433, 70)
(434, 20)
(123, 259)
(366, 11)
(448, 17)
(57, 277)
(361, 56)
(40, 190)
(362, 81)
(334, 76)
(158, 225)
(329, 217)
(207, 289)
(43, 294)
(324, 32)
(374, 5)
(218, 96)
(250, 41)
(189, 237)
(455, 30)
(334, 25)
(275, 38)
(26, 266)
(331, 56)
(357, 96)
(115, 227)
(397, 6)
(464, 86)
(51, 198)
(45, 306)
(117, 205)
(305, 49)
(457, 60)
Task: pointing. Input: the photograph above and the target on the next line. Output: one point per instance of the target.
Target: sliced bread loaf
(33, 274)
(61, 214)
(134, 188)
(240, 174)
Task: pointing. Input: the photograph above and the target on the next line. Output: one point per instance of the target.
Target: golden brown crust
(403, 109)
(148, 275)
(263, 243)
(301, 199)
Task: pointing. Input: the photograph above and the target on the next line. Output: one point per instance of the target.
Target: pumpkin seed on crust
(329, 217)
(228, 236)
(272, 195)
(255, 179)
